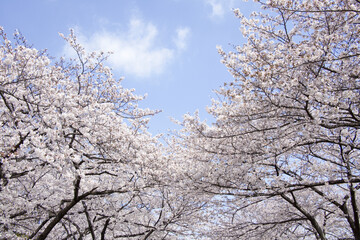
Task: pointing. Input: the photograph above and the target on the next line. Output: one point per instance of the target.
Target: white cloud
(219, 7)
(182, 35)
(135, 51)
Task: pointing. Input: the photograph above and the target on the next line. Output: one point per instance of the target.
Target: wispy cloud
(219, 7)
(135, 51)
(182, 36)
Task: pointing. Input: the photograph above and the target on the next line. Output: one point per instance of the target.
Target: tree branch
(89, 221)
(312, 220)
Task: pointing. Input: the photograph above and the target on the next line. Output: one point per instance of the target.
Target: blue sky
(163, 48)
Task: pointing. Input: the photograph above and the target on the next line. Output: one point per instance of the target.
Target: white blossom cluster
(284, 150)
(281, 160)
(76, 159)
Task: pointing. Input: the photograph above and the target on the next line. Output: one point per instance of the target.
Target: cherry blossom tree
(77, 161)
(281, 160)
